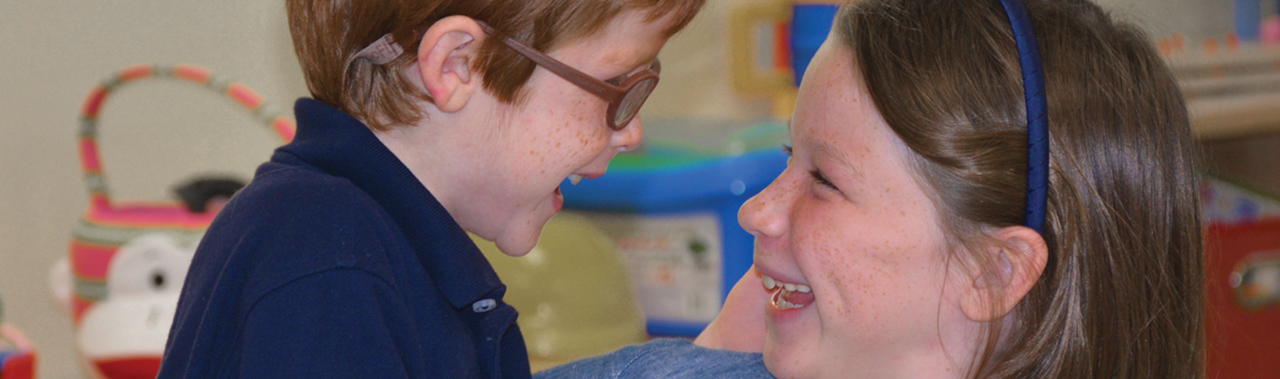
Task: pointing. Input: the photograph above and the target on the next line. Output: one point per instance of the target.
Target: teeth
(784, 304)
(575, 178)
(771, 283)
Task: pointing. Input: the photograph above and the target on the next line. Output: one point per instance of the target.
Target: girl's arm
(740, 324)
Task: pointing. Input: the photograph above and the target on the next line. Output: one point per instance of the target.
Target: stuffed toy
(17, 357)
(128, 261)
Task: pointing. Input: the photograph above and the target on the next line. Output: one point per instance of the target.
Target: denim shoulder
(663, 358)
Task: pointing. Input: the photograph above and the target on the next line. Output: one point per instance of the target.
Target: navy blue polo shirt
(335, 261)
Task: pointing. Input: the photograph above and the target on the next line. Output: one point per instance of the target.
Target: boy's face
(558, 131)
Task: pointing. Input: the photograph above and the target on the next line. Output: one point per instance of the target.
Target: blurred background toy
(573, 293)
(1242, 273)
(771, 44)
(1232, 201)
(123, 334)
(127, 261)
(1249, 18)
(17, 356)
(1270, 31)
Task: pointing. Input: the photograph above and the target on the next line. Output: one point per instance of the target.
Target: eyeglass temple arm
(587, 82)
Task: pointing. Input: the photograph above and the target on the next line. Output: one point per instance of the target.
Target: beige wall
(156, 133)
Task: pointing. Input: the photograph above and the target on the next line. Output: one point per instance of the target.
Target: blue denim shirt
(664, 358)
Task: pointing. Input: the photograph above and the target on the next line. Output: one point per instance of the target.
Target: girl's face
(848, 221)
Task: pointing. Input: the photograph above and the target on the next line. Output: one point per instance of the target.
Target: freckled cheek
(566, 133)
(818, 244)
(858, 264)
(583, 120)
(817, 241)
(833, 267)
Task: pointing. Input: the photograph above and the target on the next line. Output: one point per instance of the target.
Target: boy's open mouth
(787, 295)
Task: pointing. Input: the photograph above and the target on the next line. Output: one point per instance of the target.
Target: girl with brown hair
(927, 226)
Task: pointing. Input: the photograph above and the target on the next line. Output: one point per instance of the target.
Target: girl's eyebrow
(823, 147)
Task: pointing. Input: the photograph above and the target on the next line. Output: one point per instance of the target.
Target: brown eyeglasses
(625, 95)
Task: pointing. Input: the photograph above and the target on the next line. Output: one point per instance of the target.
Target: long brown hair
(1122, 294)
(328, 32)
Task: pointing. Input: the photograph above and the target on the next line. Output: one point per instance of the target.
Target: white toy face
(149, 265)
(127, 331)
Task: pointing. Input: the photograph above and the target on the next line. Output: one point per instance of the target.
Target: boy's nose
(630, 136)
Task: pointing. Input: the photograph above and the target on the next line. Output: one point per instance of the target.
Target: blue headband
(1037, 114)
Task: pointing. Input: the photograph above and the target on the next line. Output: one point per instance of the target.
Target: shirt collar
(343, 146)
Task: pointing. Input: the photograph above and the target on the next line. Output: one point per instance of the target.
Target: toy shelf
(1231, 92)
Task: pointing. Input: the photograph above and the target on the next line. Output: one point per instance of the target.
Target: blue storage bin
(810, 24)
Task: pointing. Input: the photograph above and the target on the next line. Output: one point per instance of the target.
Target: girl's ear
(445, 56)
(1018, 258)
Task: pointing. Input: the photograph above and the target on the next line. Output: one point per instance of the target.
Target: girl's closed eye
(821, 179)
(818, 176)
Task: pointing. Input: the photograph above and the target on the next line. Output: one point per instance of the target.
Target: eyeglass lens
(632, 102)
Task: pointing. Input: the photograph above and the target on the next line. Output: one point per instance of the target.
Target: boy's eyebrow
(632, 59)
(633, 65)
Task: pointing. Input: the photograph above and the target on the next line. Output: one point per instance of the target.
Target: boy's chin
(520, 243)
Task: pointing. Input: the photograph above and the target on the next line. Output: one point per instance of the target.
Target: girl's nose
(765, 214)
(630, 136)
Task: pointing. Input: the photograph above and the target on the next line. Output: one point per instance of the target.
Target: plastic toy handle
(91, 160)
(743, 20)
(61, 284)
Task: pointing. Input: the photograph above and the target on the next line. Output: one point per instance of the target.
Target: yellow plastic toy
(797, 28)
(573, 293)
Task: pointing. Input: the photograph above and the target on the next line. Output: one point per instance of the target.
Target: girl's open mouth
(787, 295)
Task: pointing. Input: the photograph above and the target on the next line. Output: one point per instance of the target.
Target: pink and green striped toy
(107, 225)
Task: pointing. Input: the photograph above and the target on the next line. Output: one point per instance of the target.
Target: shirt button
(483, 306)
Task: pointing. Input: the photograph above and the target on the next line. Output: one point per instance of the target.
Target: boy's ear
(445, 56)
(1019, 255)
